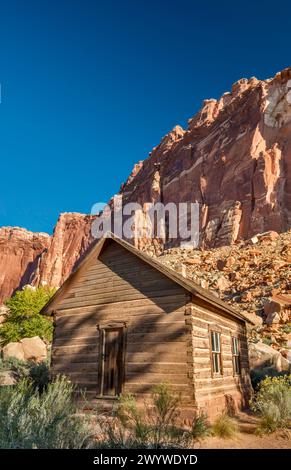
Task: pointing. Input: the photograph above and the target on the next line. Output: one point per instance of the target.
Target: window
(216, 352)
(235, 355)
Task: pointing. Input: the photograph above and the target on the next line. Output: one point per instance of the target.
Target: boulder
(4, 311)
(13, 350)
(34, 349)
(271, 307)
(271, 235)
(261, 355)
(222, 283)
(272, 318)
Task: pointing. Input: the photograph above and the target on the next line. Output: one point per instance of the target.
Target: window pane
(236, 361)
(216, 363)
(212, 341)
(235, 346)
(218, 341)
(215, 341)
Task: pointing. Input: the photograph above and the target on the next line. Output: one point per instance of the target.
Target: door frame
(102, 327)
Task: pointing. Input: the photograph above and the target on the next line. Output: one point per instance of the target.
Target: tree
(24, 319)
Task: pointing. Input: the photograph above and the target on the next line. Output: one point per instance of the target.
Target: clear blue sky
(89, 87)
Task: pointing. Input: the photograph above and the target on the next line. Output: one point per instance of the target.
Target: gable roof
(187, 284)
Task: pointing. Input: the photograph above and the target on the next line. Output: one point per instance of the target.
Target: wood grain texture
(121, 287)
(167, 332)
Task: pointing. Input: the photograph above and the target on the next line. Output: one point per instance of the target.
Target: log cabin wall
(226, 391)
(120, 287)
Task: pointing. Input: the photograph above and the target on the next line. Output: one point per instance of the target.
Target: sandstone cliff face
(234, 159)
(19, 254)
(37, 258)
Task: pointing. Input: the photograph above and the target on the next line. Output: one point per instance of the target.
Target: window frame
(236, 356)
(217, 331)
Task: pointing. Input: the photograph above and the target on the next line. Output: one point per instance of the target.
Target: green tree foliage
(24, 319)
(28, 302)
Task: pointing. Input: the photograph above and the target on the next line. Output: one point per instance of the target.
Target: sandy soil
(248, 439)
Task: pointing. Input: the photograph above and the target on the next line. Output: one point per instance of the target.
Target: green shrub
(164, 413)
(37, 373)
(18, 367)
(24, 319)
(259, 374)
(153, 425)
(224, 427)
(132, 418)
(200, 427)
(49, 420)
(29, 301)
(272, 402)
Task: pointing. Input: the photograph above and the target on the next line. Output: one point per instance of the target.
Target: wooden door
(112, 363)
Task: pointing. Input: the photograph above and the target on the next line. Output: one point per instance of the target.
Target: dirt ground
(247, 438)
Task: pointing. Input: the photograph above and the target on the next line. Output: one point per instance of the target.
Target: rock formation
(19, 254)
(37, 258)
(234, 159)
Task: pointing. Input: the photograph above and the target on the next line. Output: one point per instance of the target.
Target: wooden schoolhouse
(125, 323)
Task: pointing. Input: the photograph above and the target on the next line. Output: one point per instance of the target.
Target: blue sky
(89, 87)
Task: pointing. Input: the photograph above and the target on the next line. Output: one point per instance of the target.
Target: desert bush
(37, 373)
(153, 425)
(19, 368)
(164, 414)
(225, 427)
(272, 401)
(24, 319)
(199, 427)
(132, 419)
(259, 374)
(48, 420)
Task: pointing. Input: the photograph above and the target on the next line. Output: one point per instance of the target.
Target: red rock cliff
(37, 258)
(234, 159)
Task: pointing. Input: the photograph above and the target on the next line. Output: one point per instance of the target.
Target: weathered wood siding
(120, 287)
(212, 393)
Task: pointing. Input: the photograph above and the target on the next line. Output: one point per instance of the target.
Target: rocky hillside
(37, 258)
(254, 276)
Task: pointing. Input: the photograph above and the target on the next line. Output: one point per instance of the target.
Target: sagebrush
(272, 401)
(151, 425)
(37, 373)
(48, 420)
